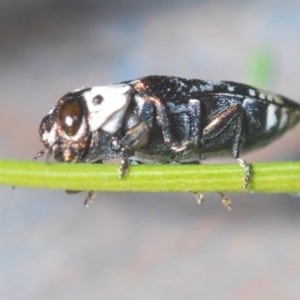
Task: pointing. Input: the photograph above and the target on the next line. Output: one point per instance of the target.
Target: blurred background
(134, 245)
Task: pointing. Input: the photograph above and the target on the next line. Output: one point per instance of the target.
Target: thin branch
(271, 177)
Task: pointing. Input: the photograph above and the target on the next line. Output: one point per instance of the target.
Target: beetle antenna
(39, 154)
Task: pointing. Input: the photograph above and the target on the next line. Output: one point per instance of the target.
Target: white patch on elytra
(278, 99)
(248, 101)
(209, 85)
(194, 101)
(252, 92)
(109, 113)
(230, 88)
(284, 117)
(271, 116)
(262, 95)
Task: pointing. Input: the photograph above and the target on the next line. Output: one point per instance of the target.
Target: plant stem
(271, 177)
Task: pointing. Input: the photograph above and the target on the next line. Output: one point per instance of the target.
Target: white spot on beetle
(284, 117)
(269, 97)
(262, 95)
(252, 92)
(50, 137)
(109, 113)
(209, 85)
(230, 88)
(248, 101)
(271, 116)
(278, 99)
(194, 101)
(140, 101)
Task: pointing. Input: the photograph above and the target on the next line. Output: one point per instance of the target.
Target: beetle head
(68, 131)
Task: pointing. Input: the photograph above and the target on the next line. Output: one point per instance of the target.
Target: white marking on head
(109, 112)
(271, 116)
(50, 137)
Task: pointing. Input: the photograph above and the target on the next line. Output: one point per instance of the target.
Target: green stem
(272, 177)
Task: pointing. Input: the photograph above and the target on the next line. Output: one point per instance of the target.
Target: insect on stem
(164, 119)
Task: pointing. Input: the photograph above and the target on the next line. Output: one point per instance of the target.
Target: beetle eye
(70, 116)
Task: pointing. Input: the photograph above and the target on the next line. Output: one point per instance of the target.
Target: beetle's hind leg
(247, 168)
(136, 137)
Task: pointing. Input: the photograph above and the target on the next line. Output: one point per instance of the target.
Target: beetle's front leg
(136, 136)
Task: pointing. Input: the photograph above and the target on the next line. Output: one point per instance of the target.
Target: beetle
(164, 119)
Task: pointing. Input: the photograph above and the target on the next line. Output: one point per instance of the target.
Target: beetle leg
(123, 166)
(89, 198)
(161, 117)
(192, 135)
(218, 127)
(226, 201)
(215, 130)
(199, 197)
(40, 154)
(136, 137)
(247, 169)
